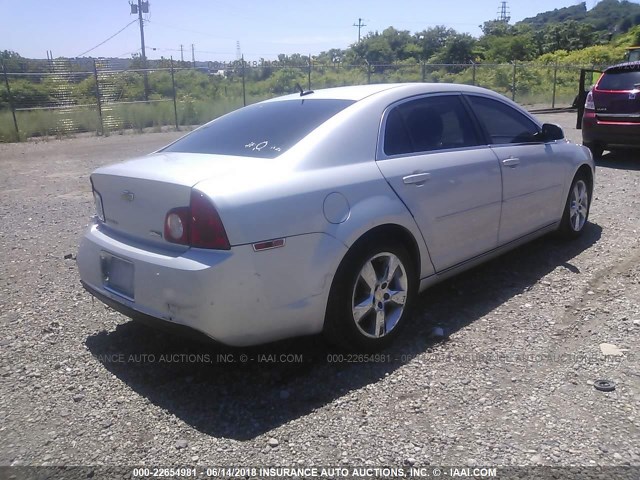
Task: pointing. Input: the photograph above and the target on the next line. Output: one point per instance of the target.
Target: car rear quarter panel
(287, 195)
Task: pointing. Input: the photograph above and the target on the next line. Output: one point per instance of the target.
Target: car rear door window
(620, 80)
(263, 130)
(503, 123)
(427, 124)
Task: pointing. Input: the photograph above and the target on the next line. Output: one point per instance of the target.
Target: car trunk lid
(136, 195)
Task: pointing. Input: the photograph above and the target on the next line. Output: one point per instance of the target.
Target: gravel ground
(512, 384)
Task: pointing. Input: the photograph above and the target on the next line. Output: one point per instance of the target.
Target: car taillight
(97, 198)
(207, 230)
(176, 225)
(589, 104)
(198, 225)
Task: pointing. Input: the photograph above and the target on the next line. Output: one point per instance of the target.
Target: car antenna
(302, 91)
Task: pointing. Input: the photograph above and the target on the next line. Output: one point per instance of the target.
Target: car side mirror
(551, 132)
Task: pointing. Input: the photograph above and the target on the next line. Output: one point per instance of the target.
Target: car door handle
(511, 162)
(416, 178)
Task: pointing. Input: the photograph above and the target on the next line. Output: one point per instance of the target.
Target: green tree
(285, 80)
(375, 49)
(400, 42)
(432, 40)
(569, 35)
(13, 62)
(497, 28)
(334, 55)
(504, 49)
(459, 48)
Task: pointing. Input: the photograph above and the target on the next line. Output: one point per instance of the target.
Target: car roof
(623, 66)
(359, 92)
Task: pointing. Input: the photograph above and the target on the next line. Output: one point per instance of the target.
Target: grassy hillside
(608, 16)
(559, 15)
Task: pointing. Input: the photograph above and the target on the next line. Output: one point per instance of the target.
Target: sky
(264, 28)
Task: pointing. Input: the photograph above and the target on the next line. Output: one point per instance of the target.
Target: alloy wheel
(579, 206)
(379, 295)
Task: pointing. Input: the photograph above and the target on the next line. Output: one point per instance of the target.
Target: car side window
(427, 124)
(503, 123)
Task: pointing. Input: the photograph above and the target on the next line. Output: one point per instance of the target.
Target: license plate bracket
(117, 275)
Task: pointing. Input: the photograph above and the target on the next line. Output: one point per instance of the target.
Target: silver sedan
(327, 211)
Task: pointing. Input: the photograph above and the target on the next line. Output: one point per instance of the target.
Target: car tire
(371, 297)
(597, 149)
(576, 209)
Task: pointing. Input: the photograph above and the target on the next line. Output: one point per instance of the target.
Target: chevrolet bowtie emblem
(127, 196)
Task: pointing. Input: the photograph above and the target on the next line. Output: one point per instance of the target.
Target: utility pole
(193, 55)
(142, 6)
(359, 25)
(50, 60)
(181, 53)
(11, 106)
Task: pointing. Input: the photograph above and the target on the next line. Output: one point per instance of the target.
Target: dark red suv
(612, 110)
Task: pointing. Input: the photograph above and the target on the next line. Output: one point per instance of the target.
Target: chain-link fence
(69, 97)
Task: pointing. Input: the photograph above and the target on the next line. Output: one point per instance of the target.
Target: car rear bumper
(182, 330)
(609, 133)
(238, 297)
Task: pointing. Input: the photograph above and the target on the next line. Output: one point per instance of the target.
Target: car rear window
(263, 130)
(620, 80)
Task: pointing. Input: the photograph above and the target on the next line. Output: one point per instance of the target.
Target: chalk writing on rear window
(259, 146)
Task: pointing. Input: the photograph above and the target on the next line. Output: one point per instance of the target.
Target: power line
(190, 30)
(127, 53)
(102, 43)
(165, 49)
(223, 53)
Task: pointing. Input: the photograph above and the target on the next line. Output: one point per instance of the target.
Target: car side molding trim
(472, 262)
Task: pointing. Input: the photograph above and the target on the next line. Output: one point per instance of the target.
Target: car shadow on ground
(620, 160)
(221, 393)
